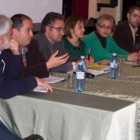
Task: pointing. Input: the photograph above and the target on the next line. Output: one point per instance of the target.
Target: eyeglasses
(58, 28)
(104, 27)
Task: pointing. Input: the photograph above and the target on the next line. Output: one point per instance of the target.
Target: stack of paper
(53, 79)
(98, 69)
(40, 89)
(95, 72)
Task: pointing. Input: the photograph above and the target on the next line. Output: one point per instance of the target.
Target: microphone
(90, 75)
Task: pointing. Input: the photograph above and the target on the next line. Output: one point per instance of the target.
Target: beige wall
(115, 12)
(92, 9)
(110, 11)
(103, 1)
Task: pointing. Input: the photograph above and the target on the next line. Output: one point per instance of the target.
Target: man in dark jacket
(127, 33)
(34, 63)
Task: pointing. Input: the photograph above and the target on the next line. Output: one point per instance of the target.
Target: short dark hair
(132, 8)
(18, 20)
(71, 23)
(49, 20)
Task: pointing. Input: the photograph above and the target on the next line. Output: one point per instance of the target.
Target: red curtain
(80, 8)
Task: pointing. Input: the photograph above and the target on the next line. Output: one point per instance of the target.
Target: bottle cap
(114, 54)
(82, 57)
(80, 64)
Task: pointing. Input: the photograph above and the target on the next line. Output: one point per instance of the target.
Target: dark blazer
(36, 63)
(123, 37)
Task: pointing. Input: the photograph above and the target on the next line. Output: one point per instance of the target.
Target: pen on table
(90, 75)
(89, 53)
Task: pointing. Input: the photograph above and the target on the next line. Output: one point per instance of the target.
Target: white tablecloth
(65, 115)
(126, 87)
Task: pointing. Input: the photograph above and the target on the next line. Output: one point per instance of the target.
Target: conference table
(107, 109)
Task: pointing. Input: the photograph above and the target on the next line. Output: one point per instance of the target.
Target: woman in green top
(103, 44)
(74, 33)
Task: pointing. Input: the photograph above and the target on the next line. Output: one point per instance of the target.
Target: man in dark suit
(127, 33)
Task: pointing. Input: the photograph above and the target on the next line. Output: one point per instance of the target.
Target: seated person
(103, 44)
(10, 84)
(74, 33)
(127, 33)
(50, 40)
(34, 63)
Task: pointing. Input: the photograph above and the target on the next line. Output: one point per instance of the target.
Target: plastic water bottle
(80, 78)
(83, 62)
(113, 66)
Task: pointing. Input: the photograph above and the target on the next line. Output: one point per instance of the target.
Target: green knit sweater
(98, 52)
(73, 51)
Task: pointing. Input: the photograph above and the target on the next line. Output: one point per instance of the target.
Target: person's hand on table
(138, 56)
(55, 61)
(139, 52)
(40, 82)
(133, 57)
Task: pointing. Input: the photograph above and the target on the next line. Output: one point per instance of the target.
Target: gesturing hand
(55, 61)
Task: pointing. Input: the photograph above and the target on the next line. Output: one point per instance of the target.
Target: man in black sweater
(10, 82)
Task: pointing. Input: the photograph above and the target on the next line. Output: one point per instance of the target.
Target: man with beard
(127, 33)
(10, 84)
(50, 40)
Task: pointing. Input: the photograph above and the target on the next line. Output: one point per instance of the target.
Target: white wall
(36, 9)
